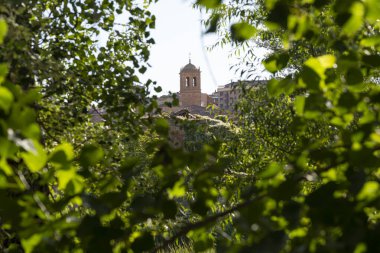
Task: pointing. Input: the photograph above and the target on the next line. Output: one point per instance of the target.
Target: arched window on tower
(187, 82)
(194, 81)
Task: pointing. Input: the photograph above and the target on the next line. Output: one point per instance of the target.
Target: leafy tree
(300, 172)
(333, 89)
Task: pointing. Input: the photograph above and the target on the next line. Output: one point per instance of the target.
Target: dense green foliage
(297, 170)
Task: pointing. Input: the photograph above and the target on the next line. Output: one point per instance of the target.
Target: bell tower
(190, 85)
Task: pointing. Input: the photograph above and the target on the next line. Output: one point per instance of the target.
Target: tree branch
(192, 226)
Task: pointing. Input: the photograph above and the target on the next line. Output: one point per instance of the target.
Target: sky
(178, 37)
(178, 34)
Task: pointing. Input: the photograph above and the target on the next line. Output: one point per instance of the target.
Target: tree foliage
(297, 171)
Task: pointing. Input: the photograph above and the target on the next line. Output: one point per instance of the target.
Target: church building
(190, 87)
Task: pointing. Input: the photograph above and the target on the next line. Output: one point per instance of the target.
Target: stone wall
(190, 98)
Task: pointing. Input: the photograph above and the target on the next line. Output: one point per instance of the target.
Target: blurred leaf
(162, 126)
(354, 76)
(90, 155)
(178, 190)
(62, 154)
(299, 105)
(373, 10)
(276, 62)
(6, 99)
(158, 89)
(143, 243)
(272, 170)
(35, 160)
(3, 72)
(355, 22)
(242, 31)
(371, 60)
(3, 30)
(321, 63)
(30, 243)
(278, 15)
(213, 24)
(370, 41)
(64, 176)
(210, 4)
(283, 86)
(369, 191)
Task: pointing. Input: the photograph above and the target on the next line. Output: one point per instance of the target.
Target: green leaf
(242, 31)
(278, 87)
(369, 191)
(213, 24)
(373, 41)
(64, 176)
(210, 4)
(162, 126)
(354, 76)
(143, 243)
(35, 160)
(310, 79)
(178, 190)
(6, 99)
(278, 16)
(321, 63)
(373, 10)
(299, 105)
(272, 170)
(3, 72)
(355, 22)
(276, 62)
(371, 60)
(320, 3)
(3, 30)
(30, 243)
(91, 154)
(158, 89)
(62, 154)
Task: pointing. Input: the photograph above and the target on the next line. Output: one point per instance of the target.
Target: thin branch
(36, 198)
(192, 226)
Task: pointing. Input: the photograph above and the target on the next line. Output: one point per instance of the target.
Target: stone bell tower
(190, 85)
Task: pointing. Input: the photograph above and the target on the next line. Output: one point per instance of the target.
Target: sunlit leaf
(62, 154)
(373, 10)
(299, 105)
(30, 243)
(271, 170)
(355, 22)
(6, 99)
(209, 3)
(369, 191)
(35, 160)
(3, 30)
(178, 190)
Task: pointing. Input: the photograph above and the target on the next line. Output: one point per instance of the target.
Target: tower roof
(189, 66)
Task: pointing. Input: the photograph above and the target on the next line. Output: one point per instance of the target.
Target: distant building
(192, 99)
(190, 87)
(226, 96)
(164, 100)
